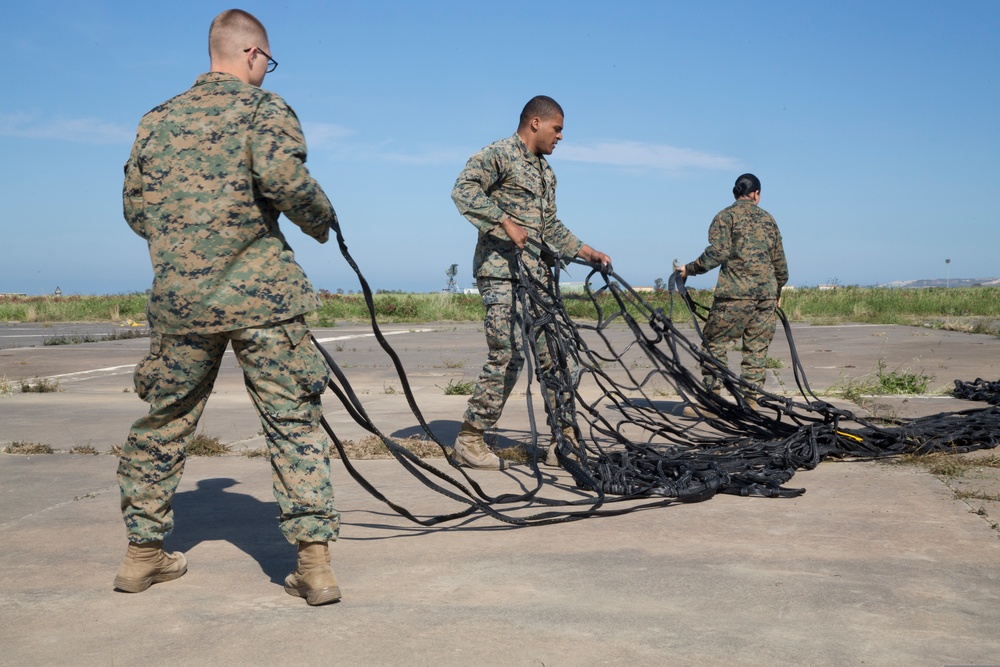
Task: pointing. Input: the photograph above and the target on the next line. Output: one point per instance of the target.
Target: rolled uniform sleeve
(278, 150)
(132, 203)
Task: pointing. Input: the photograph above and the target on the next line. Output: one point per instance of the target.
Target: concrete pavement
(877, 564)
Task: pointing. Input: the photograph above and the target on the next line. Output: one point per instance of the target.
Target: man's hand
(515, 232)
(588, 254)
(682, 269)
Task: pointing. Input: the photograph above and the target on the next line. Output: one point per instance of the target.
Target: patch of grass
(40, 386)
(256, 453)
(5, 388)
(82, 449)
(88, 308)
(203, 445)
(389, 389)
(69, 340)
(939, 464)
(977, 308)
(515, 454)
(951, 465)
(28, 448)
(122, 334)
(771, 362)
(883, 305)
(882, 382)
(372, 447)
(127, 334)
(458, 388)
(451, 363)
(901, 381)
(977, 495)
(972, 325)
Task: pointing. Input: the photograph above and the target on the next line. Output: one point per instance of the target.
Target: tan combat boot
(313, 578)
(701, 411)
(471, 450)
(551, 458)
(148, 564)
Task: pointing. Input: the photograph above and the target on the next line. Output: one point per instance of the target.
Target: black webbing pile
(618, 385)
(979, 390)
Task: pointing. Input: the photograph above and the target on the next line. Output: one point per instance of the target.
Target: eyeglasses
(272, 64)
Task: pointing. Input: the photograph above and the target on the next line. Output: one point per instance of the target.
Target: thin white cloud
(341, 140)
(77, 130)
(635, 154)
(323, 134)
(427, 156)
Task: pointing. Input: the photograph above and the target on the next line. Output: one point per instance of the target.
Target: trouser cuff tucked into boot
(148, 564)
(313, 578)
(552, 458)
(471, 450)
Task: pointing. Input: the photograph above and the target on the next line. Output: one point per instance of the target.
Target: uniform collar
(528, 155)
(215, 77)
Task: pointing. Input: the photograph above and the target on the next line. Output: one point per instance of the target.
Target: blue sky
(872, 126)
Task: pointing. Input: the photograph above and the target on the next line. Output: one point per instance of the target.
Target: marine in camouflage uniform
(209, 173)
(509, 188)
(744, 239)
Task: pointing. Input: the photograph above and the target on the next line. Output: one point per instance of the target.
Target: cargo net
(613, 393)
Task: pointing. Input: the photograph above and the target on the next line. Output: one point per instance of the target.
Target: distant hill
(943, 282)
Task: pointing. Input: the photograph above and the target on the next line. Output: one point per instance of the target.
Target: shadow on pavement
(210, 512)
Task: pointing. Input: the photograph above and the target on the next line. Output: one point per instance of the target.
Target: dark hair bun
(746, 184)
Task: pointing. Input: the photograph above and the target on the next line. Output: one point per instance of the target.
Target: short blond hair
(234, 30)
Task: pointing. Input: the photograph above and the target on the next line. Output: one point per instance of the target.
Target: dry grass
(82, 449)
(368, 448)
(978, 495)
(203, 445)
(40, 386)
(256, 453)
(28, 448)
(951, 465)
(515, 454)
(372, 447)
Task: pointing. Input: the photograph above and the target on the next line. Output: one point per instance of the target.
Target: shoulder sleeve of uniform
(482, 172)
(719, 239)
(132, 197)
(778, 259)
(279, 156)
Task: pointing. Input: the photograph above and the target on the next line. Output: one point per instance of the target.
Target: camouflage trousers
(284, 375)
(505, 360)
(732, 319)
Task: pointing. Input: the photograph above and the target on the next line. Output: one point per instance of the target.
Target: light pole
(947, 280)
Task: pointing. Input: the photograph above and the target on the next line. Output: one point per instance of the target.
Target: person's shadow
(446, 430)
(211, 513)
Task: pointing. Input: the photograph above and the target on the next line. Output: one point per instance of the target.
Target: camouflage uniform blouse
(506, 179)
(209, 173)
(745, 240)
